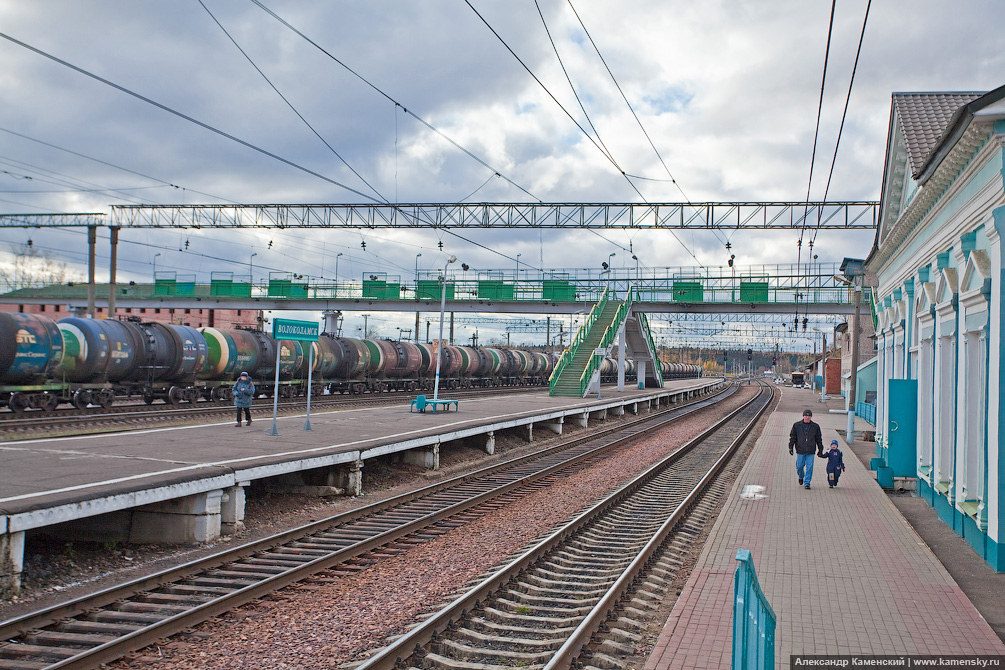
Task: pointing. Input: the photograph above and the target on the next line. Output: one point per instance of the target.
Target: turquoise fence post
(753, 619)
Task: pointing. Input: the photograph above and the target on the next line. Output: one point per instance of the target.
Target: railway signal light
(750, 354)
(774, 359)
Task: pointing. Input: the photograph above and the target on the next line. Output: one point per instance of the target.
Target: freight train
(94, 361)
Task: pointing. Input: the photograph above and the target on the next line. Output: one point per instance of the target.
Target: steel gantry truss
(84, 220)
(846, 215)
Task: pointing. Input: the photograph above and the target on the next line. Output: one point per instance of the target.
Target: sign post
(301, 331)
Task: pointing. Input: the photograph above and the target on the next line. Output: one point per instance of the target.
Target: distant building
(938, 257)
(196, 317)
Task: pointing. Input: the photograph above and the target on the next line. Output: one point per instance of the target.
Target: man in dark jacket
(806, 438)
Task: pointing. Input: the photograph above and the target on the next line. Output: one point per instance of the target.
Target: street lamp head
(338, 254)
(452, 259)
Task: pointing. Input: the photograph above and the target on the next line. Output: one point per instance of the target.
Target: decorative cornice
(975, 137)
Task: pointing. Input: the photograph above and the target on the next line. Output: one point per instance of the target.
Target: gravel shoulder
(335, 620)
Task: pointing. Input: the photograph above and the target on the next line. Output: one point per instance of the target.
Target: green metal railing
(605, 342)
(581, 335)
(753, 619)
(658, 371)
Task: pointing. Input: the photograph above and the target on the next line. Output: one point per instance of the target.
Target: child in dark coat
(835, 464)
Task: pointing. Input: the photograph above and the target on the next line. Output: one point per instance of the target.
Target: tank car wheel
(50, 402)
(81, 398)
(18, 402)
(175, 395)
(106, 397)
(192, 395)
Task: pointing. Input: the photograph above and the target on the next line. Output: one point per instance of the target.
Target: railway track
(99, 628)
(554, 605)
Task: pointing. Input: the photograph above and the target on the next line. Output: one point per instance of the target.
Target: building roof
(923, 118)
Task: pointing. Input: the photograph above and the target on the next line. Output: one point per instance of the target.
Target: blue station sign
(301, 331)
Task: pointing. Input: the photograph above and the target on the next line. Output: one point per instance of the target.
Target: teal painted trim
(942, 260)
(999, 126)
(998, 214)
(943, 509)
(968, 242)
(898, 294)
(973, 535)
(995, 556)
(926, 492)
(958, 522)
(977, 321)
(924, 272)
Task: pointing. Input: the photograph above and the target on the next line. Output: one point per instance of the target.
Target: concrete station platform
(843, 570)
(186, 484)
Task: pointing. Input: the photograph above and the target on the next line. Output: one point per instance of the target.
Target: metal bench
(420, 403)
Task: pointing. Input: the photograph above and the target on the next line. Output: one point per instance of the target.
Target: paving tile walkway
(843, 570)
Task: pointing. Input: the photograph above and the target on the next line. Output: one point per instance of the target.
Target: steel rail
(143, 637)
(394, 655)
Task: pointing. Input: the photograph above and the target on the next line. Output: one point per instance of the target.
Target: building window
(187, 311)
(129, 310)
(157, 310)
(143, 310)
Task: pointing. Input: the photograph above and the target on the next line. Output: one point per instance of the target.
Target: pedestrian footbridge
(611, 322)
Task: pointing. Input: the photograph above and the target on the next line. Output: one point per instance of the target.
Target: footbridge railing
(581, 335)
(605, 343)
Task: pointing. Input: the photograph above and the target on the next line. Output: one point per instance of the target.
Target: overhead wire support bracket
(840, 215)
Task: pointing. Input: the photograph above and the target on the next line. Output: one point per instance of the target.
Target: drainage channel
(545, 608)
(99, 628)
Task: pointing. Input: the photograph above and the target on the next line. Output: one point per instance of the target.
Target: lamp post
(335, 294)
(155, 267)
(439, 344)
(251, 267)
(417, 257)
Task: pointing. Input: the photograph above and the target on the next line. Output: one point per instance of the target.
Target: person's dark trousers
(833, 477)
(247, 414)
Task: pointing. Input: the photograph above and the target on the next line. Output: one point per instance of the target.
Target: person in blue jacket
(244, 394)
(835, 464)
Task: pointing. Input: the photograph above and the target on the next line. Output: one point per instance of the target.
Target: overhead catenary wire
(816, 135)
(624, 97)
(568, 114)
(112, 165)
(391, 99)
(288, 103)
(181, 115)
(844, 115)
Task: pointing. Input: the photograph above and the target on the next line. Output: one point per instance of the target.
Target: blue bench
(420, 403)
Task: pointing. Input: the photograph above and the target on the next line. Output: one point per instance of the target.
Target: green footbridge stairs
(610, 322)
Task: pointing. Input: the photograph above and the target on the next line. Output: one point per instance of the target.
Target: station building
(938, 258)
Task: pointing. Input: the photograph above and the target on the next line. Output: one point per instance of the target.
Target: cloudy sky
(727, 91)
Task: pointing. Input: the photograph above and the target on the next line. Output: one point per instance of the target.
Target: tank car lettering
(24, 337)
